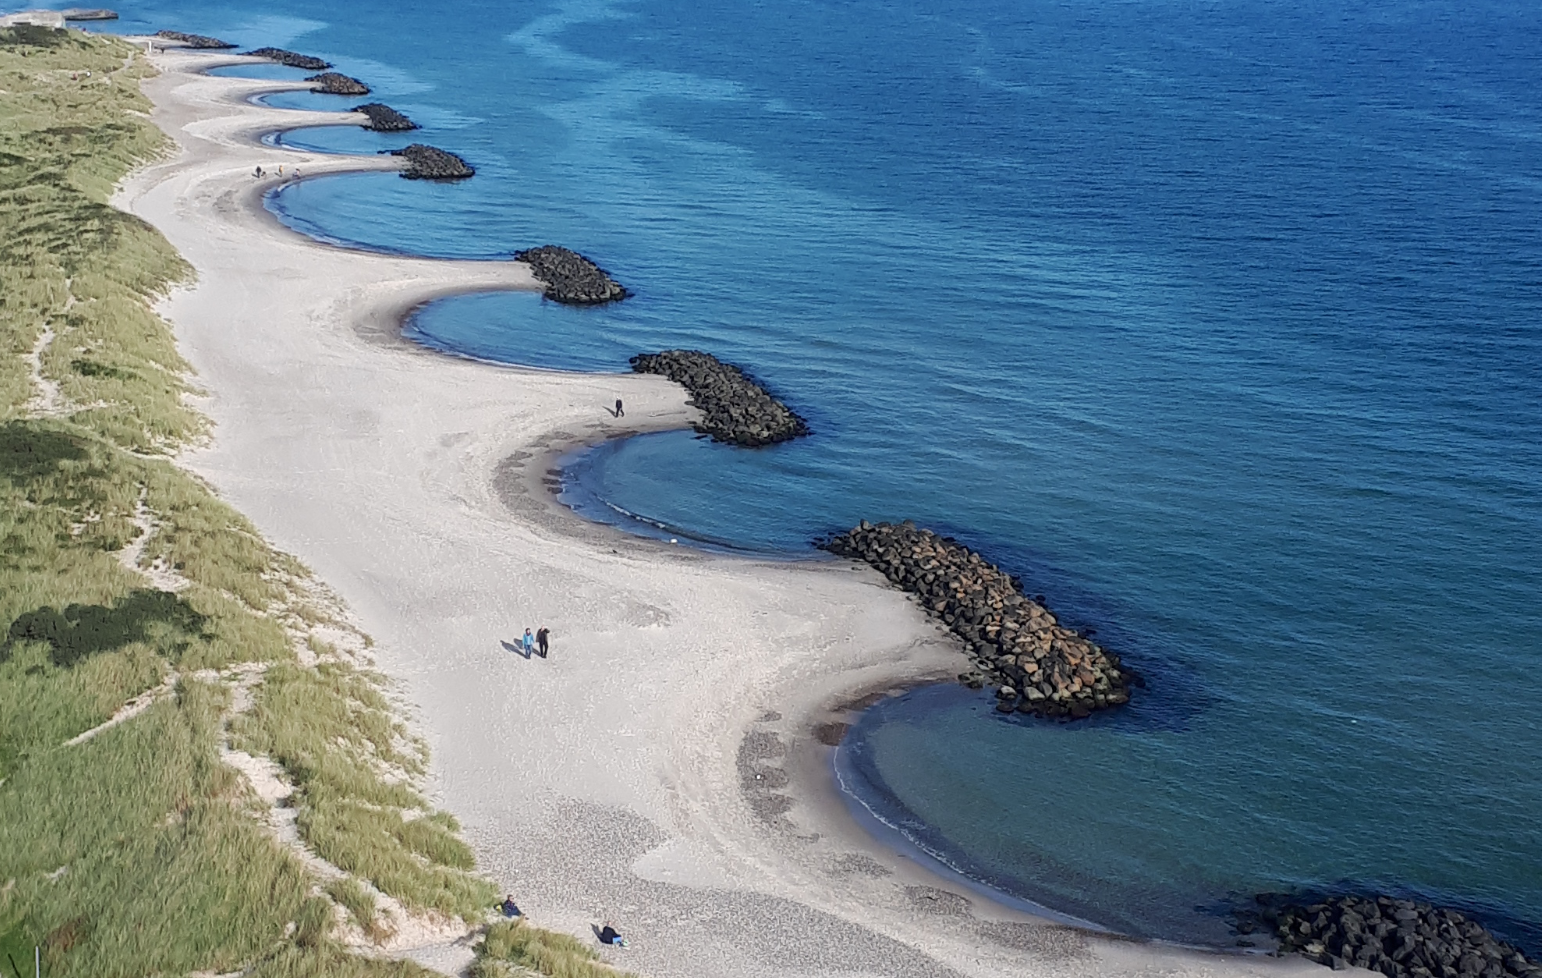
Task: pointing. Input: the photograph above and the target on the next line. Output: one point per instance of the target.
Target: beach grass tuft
(129, 593)
(512, 948)
(332, 731)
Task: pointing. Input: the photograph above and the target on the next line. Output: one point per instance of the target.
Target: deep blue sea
(1220, 323)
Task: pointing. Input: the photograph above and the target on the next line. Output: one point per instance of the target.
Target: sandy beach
(660, 769)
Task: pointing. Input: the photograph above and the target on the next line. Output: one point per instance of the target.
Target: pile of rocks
(734, 408)
(290, 59)
(1038, 666)
(428, 163)
(200, 41)
(383, 118)
(570, 277)
(1399, 938)
(332, 83)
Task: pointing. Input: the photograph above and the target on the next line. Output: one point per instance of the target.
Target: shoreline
(388, 470)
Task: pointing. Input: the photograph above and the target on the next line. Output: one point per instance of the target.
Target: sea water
(1218, 323)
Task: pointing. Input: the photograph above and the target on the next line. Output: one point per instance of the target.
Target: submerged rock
(290, 59)
(1399, 938)
(383, 118)
(429, 163)
(200, 41)
(332, 83)
(570, 277)
(734, 408)
(89, 13)
(1040, 666)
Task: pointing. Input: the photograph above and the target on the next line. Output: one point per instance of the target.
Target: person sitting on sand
(608, 935)
(529, 643)
(508, 907)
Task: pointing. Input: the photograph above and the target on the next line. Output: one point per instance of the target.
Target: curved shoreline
(624, 798)
(515, 479)
(896, 838)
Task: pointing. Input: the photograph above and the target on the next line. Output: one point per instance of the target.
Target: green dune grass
(137, 850)
(511, 949)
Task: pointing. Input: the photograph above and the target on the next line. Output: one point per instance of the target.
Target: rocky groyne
(570, 277)
(429, 163)
(1037, 665)
(1399, 938)
(290, 59)
(333, 83)
(383, 118)
(734, 408)
(200, 41)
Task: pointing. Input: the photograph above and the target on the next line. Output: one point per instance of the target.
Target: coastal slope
(199, 772)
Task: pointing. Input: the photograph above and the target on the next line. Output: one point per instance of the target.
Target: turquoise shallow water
(1219, 324)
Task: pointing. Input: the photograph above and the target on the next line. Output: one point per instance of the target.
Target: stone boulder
(429, 163)
(332, 83)
(1040, 666)
(290, 59)
(1399, 938)
(570, 277)
(383, 118)
(199, 41)
(734, 408)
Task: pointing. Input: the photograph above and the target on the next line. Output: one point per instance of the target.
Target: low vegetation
(513, 949)
(147, 630)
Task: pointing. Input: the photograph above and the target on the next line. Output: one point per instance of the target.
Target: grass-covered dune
(172, 689)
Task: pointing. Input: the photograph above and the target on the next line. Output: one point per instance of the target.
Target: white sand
(617, 779)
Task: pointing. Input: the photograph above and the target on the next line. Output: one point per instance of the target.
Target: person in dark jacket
(542, 636)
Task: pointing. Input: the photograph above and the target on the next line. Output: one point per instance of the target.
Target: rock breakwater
(290, 59)
(333, 83)
(200, 41)
(428, 163)
(383, 118)
(570, 277)
(1037, 665)
(1399, 938)
(735, 409)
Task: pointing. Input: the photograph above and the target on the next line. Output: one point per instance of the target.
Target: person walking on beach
(541, 636)
(529, 642)
(620, 413)
(257, 173)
